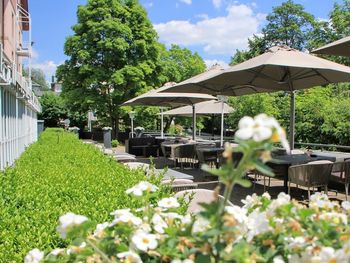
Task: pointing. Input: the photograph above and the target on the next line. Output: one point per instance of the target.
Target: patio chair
(341, 174)
(310, 175)
(203, 157)
(199, 196)
(185, 153)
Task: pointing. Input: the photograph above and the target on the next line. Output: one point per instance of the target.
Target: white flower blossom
(346, 206)
(130, 257)
(125, 216)
(142, 187)
(261, 128)
(168, 202)
(200, 225)
(100, 229)
(251, 201)
(240, 214)
(278, 259)
(257, 223)
(334, 217)
(57, 251)
(69, 220)
(295, 242)
(158, 223)
(144, 241)
(34, 256)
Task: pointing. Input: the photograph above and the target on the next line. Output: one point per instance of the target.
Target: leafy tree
(53, 109)
(179, 64)
(289, 24)
(38, 76)
(113, 53)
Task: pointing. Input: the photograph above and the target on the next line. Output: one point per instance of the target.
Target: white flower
(257, 223)
(141, 187)
(69, 220)
(319, 200)
(278, 259)
(240, 214)
(144, 241)
(57, 251)
(334, 217)
(100, 229)
(130, 257)
(261, 128)
(158, 223)
(281, 200)
(187, 219)
(251, 201)
(200, 225)
(294, 242)
(346, 206)
(34, 256)
(125, 216)
(168, 202)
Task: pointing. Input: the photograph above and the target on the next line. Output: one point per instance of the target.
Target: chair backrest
(199, 196)
(314, 173)
(344, 169)
(184, 151)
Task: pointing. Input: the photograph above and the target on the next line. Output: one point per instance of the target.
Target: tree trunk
(167, 124)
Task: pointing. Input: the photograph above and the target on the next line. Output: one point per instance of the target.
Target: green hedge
(56, 175)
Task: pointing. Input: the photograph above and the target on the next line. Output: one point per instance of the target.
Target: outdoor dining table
(283, 162)
(170, 173)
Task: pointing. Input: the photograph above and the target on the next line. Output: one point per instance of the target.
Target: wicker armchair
(341, 174)
(310, 175)
(199, 196)
(185, 153)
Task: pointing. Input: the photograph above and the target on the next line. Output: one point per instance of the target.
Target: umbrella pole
(212, 126)
(222, 124)
(292, 119)
(194, 122)
(161, 123)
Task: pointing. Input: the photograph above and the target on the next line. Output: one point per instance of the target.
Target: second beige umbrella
(168, 99)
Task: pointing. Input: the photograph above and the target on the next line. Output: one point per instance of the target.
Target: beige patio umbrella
(168, 99)
(280, 68)
(211, 107)
(340, 47)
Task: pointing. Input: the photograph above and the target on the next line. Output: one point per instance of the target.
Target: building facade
(18, 104)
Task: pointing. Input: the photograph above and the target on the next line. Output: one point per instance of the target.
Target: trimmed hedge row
(56, 175)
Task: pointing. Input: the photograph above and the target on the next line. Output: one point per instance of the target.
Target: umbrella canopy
(340, 47)
(211, 107)
(168, 99)
(280, 68)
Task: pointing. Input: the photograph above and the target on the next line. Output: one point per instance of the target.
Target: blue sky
(213, 28)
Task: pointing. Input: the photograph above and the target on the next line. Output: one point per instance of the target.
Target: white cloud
(217, 3)
(188, 2)
(48, 67)
(219, 35)
(211, 62)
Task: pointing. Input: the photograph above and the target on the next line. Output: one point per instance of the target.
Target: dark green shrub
(115, 143)
(56, 175)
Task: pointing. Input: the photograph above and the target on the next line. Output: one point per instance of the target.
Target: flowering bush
(263, 230)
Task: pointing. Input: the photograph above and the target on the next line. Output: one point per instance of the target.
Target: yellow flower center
(145, 241)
